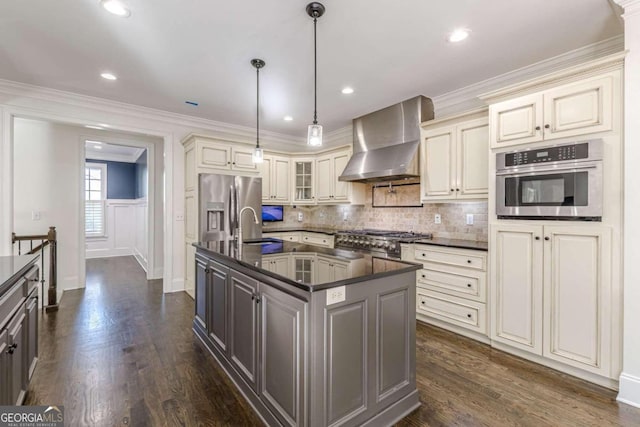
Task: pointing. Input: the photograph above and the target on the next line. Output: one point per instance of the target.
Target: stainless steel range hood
(386, 142)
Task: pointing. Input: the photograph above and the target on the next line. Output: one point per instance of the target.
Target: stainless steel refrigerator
(221, 199)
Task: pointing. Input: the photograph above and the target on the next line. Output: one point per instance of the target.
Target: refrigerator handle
(233, 210)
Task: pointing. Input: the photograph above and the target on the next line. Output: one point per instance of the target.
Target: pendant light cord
(257, 107)
(315, 72)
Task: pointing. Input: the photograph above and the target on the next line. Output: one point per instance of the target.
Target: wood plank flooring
(121, 353)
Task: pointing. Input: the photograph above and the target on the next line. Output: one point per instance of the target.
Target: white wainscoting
(126, 232)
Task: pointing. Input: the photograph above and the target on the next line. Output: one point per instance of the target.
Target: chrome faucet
(255, 219)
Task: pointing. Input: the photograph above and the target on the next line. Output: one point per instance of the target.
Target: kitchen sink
(262, 241)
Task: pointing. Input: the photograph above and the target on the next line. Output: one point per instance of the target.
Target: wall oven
(560, 182)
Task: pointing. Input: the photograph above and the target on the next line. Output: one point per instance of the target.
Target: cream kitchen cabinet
(331, 270)
(221, 155)
(573, 109)
(451, 288)
(303, 181)
(317, 239)
(275, 172)
(278, 264)
(551, 293)
(329, 190)
(455, 158)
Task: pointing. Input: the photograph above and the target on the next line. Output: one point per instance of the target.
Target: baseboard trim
(629, 390)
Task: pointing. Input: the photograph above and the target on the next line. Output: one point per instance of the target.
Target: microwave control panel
(549, 154)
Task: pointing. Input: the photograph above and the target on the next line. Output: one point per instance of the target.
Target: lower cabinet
(264, 326)
(552, 292)
(451, 288)
(18, 338)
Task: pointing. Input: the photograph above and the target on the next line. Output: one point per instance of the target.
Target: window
(95, 194)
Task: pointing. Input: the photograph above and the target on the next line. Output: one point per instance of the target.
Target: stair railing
(49, 239)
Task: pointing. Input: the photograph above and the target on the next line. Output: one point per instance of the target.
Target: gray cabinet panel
(201, 292)
(4, 368)
(392, 346)
(282, 324)
(346, 358)
(32, 334)
(243, 323)
(17, 358)
(217, 289)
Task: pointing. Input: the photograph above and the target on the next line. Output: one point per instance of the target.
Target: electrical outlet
(437, 219)
(336, 295)
(300, 216)
(35, 215)
(469, 219)
(345, 216)
(180, 216)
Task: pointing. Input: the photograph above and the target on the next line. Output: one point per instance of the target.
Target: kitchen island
(310, 336)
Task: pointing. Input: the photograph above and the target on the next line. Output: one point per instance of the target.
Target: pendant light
(314, 135)
(258, 155)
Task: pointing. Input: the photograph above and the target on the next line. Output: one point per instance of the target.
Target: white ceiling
(171, 51)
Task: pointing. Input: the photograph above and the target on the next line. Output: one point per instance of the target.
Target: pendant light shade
(258, 154)
(314, 134)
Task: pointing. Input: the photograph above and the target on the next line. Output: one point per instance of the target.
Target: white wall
(48, 159)
(141, 231)
(630, 378)
(125, 231)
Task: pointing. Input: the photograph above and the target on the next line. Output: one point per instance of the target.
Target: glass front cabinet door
(303, 178)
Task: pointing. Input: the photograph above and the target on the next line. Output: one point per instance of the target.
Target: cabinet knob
(422, 302)
(324, 241)
(228, 163)
(537, 127)
(253, 297)
(468, 261)
(469, 316)
(11, 348)
(234, 163)
(537, 237)
(424, 277)
(468, 285)
(424, 254)
(452, 190)
(257, 300)
(547, 126)
(546, 238)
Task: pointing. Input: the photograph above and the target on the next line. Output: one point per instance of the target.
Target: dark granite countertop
(454, 243)
(11, 266)
(360, 266)
(324, 230)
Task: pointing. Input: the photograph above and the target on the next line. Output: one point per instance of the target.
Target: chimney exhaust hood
(386, 142)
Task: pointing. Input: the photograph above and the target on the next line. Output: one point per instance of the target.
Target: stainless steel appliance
(385, 142)
(222, 197)
(387, 242)
(556, 182)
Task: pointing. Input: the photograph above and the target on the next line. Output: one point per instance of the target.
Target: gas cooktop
(387, 241)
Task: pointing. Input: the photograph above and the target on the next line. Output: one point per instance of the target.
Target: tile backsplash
(417, 219)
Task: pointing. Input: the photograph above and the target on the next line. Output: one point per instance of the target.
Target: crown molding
(19, 91)
(631, 7)
(467, 98)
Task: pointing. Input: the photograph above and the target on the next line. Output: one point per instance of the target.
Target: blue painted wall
(121, 179)
(141, 175)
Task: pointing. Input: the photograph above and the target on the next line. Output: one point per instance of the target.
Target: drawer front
(317, 239)
(467, 314)
(459, 282)
(462, 259)
(291, 237)
(272, 235)
(12, 300)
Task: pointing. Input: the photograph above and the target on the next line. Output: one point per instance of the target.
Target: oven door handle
(530, 172)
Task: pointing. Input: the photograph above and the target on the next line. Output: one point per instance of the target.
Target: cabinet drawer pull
(234, 163)
(424, 254)
(452, 190)
(468, 261)
(547, 126)
(468, 285)
(546, 238)
(253, 297)
(12, 347)
(257, 300)
(469, 316)
(537, 237)
(457, 189)
(424, 277)
(537, 127)
(228, 163)
(422, 302)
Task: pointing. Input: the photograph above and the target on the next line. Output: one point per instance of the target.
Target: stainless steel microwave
(560, 182)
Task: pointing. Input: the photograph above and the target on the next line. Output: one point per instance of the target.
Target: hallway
(121, 353)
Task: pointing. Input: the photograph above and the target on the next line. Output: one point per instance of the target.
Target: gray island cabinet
(304, 351)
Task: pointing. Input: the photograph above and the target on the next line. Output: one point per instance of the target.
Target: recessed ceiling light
(347, 90)
(108, 76)
(458, 35)
(288, 118)
(115, 7)
(93, 127)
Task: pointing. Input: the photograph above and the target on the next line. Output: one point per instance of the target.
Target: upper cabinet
(455, 156)
(329, 189)
(573, 109)
(222, 155)
(275, 173)
(303, 185)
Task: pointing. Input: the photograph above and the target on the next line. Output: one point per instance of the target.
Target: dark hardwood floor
(121, 353)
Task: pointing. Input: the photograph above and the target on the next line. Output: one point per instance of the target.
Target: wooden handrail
(49, 239)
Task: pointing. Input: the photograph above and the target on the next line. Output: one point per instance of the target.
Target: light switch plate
(300, 216)
(336, 295)
(437, 219)
(469, 219)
